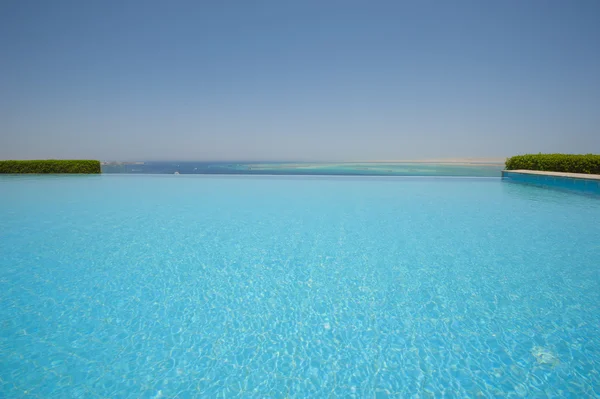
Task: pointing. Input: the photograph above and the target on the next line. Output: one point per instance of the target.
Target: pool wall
(589, 184)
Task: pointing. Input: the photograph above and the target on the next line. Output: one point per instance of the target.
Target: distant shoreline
(453, 161)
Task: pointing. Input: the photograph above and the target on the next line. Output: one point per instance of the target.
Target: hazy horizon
(304, 81)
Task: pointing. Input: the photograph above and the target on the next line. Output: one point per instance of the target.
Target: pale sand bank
(455, 161)
(376, 165)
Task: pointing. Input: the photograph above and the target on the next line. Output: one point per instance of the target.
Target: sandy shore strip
(375, 165)
(453, 161)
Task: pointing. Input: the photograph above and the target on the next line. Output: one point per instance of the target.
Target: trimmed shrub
(571, 163)
(50, 166)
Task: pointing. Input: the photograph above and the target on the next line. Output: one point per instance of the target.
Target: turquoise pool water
(120, 286)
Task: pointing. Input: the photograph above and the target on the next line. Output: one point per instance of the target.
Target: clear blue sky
(298, 80)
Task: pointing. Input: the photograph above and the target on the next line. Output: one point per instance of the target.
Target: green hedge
(50, 166)
(588, 163)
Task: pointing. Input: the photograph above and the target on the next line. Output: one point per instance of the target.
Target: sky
(303, 80)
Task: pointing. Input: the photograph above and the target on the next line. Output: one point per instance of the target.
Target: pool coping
(554, 174)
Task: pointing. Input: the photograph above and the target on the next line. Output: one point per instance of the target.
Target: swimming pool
(288, 286)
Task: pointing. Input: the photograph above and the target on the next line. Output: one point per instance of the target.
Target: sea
(304, 168)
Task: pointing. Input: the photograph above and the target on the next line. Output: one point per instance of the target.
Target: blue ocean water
(306, 168)
(149, 286)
